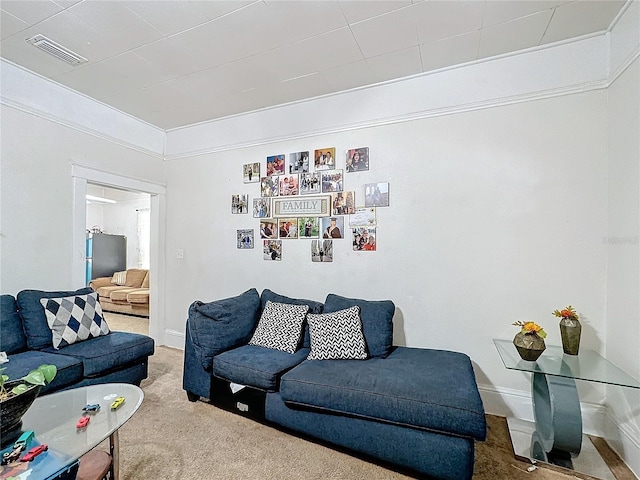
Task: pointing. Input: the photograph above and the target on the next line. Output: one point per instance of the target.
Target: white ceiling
(177, 62)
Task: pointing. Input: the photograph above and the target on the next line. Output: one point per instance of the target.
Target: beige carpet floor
(172, 438)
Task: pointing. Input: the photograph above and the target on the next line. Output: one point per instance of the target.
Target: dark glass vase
(12, 409)
(570, 331)
(529, 345)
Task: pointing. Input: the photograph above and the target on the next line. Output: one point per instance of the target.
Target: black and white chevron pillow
(74, 319)
(337, 335)
(280, 326)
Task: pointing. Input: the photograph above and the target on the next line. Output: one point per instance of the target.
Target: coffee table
(558, 437)
(53, 418)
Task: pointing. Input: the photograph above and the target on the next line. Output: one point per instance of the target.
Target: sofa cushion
(377, 321)
(119, 278)
(314, 307)
(222, 325)
(138, 296)
(33, 317)
(106, 291)
(109, 352)
(135, 277)
(145, 282)
(74, 319)
(12, 337)
(280, 326)
(337, 335)
(120, 295)
(69, 368)
(430, 389)
(255, 366)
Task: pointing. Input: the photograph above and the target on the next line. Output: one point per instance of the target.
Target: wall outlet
(180, 253)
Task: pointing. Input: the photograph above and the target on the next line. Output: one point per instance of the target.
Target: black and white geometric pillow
(337, 335)
(74, 319)
(280, 326)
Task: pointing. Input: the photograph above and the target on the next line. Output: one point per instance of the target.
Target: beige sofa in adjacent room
(124, 292)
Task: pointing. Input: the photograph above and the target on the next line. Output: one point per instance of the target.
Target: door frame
(81, 175)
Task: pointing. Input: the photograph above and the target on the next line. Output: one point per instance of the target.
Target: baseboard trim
(173, 338)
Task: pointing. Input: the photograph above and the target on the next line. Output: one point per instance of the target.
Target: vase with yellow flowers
(570, 330)
(529, 341)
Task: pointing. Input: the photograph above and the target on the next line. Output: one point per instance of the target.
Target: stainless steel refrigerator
(106, 254)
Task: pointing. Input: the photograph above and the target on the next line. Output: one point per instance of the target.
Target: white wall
(623, 248)
(37, 194)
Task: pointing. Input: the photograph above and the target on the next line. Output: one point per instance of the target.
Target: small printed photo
(332, 181)
(376, 195)
(251, 172)
(275, 165)
(289, 185)
(364, 239)
(324, 159)
(268, 229)
(309, 183)
(240, 203)
(272, 250)
(299, 162)
(343, 203)
(308, 227)
(363, 217)
(288, 228)
(245, 238)
(322, 251)
(357, 159)
(332, 227)
(269, 186)
(261, 207)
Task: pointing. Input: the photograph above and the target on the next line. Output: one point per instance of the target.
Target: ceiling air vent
(58, 51)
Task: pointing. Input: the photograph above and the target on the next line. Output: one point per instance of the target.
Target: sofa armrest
(96, 283)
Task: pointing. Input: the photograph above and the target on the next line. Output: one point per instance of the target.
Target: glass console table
(557, 437)
(53, 419)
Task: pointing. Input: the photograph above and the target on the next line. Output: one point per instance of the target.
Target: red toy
(83, 422)
(34, 452)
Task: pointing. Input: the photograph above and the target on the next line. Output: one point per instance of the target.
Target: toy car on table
(34, 452)
(117, 403)
(91, 408)
(83, 422)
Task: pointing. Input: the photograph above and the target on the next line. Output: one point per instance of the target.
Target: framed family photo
(244, 238)
(322, 251)
(289, 185)
(325, 159)
(364, 239)
(272, 250)
(251, 172)
(268, 229)
(299, 162)
(275, 165)
(309, 183)
(269, 186)
(308, 227)
(343, 203)
(357, 159)
(376, 195)
(332, 181)
(240, 203)
(261, 207)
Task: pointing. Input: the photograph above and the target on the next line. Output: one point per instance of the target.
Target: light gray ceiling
(175, 63)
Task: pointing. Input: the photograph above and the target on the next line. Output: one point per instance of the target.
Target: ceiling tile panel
(10, 25)
(286, 62)
(399, 32)
(167, 17)
(331, 49)
(396, 64)
(437, 19)
(450, 51)
(32, 11)
(307, 19)
(119, 25)
(364, 9)
(149, 99)
(580, 18)
(169, 60)
(499, 11)
(345, 77)
(516, 35)
(240, 34)
(218, 8)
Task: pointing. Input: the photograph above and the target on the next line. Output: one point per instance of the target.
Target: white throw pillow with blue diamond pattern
(74, 319)
(337, 335)
(280, 326)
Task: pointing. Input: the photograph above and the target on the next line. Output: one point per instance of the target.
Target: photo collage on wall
(303, 196)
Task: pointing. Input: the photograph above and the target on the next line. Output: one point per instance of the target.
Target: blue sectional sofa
(417, 409)
(27, 339)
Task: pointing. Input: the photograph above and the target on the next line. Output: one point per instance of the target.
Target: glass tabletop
(53, 419)
(587, 365)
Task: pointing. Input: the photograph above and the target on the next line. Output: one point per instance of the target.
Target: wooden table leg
(114, 448)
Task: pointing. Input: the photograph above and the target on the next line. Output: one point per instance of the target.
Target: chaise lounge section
(418, 409)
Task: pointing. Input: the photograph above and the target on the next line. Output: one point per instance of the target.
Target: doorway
(84, 180)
